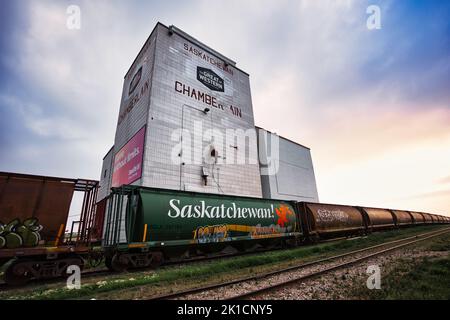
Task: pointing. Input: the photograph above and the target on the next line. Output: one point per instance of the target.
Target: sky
(372, 104)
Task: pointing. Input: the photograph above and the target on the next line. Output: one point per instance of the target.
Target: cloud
(69, 87)
(372, 105)
(40, 124)
(444, 180)
(392, 179)
(434, 194)
(359, 135)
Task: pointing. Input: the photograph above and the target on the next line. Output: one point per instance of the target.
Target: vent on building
(205, 175)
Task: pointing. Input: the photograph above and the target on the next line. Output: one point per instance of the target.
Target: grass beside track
(427, 278)
(210, 271)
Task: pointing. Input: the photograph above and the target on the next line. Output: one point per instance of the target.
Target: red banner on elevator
(128, 161)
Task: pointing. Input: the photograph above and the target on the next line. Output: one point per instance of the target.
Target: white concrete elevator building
(186, 123)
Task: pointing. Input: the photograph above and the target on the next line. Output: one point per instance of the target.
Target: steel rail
(190, 291)
(94, 273)
(332, 268)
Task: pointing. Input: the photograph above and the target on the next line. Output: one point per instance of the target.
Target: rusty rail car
(33, 214)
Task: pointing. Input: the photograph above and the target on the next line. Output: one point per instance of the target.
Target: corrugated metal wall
(105, 177)
(26, 197)
(294, 179)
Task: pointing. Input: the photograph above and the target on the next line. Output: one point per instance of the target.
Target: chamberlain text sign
(128, 161)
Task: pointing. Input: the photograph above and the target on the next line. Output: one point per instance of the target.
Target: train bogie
(37, 266)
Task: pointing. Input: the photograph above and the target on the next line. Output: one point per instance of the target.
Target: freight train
(145, 227)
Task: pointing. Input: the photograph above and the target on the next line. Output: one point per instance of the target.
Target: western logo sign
(210, 79)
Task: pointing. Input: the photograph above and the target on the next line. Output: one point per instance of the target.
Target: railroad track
(95, 273)
(88, 274)
(35, 282)
(379, 250)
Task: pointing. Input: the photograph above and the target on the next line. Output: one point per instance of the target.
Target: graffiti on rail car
(283, 213)
(325, 215)
(207, 234)
(225, 232)
(17, 234)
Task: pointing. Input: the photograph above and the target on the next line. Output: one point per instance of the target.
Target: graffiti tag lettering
(223, 232)
(211, 234)
(16, 234)
(325, 215)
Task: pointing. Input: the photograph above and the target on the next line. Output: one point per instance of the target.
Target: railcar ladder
(115, 217)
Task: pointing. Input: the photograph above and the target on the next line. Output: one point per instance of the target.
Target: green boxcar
(172, 222)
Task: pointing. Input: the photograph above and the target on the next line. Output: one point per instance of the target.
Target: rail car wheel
(119, 263)
(314, 238)
(108, 263)
(157, 259)
(95, 259)
(63, 265)
(17, 274)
